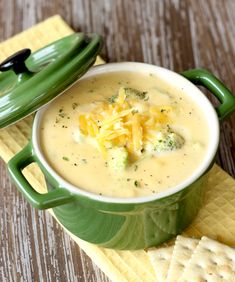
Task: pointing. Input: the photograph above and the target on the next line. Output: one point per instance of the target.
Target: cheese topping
(126, 120)
(133, 141)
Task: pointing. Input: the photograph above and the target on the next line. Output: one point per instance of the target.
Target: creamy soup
(124, 135)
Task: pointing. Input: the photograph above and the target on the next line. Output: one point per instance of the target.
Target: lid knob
(16, 62)
(54, 68)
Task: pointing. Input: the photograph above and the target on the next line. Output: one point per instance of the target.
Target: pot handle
(53, 198)
(216, 87)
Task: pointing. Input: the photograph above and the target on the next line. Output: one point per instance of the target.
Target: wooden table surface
(176, 34)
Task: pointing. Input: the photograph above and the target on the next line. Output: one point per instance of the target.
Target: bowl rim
(139, 68)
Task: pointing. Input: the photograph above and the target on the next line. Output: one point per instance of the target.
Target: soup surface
(124, 135)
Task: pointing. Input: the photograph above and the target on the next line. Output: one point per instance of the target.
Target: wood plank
(174, 34)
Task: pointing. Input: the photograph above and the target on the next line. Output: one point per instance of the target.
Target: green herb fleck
(84, 161)
(74, 105)
(134, 111)
(62, 115)
(65, 158)
(134, 92)
(169, 129)
(136, 183)
(112, 99)
(136, 167)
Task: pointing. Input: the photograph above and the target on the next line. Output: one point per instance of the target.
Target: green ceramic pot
(133, 223)
(44, 74)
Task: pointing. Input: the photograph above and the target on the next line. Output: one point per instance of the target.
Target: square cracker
(160, 259)
(182, 252)
(212, 262)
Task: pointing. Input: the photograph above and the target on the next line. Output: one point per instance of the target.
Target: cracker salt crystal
(212, 262)
(160, 259)
(182, 252)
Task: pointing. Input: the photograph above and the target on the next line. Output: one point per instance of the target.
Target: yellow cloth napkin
(216, 219)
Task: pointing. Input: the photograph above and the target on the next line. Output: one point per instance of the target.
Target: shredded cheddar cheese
(127, 122)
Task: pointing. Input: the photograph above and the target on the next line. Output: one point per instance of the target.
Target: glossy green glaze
(216, 87)
(132, 226)
(39, 201)
(53, 69)
(113, 224)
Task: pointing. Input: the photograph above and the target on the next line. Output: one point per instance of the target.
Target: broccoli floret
(168, 142)
(134, 92)
(118, 158)
(112, 99)
(129, 92)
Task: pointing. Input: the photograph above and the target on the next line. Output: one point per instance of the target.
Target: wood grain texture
(176, 34)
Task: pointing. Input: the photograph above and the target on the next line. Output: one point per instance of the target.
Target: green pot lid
(29, 81)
